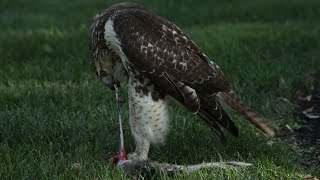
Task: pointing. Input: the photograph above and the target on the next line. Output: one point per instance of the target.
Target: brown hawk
(161, 62)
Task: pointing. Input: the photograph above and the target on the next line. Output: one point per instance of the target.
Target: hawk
(161, 62)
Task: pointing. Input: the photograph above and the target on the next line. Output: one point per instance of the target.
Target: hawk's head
(106, 63)
(108, 71)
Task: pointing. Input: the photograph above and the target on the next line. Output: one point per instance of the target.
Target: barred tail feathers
(232, 100)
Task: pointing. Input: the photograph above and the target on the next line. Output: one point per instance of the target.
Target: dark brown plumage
(162, 61)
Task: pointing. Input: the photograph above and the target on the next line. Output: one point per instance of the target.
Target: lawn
(54, 112)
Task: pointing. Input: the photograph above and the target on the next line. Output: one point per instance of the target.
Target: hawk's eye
(103, 73)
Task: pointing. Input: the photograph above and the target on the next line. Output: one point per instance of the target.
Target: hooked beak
(114, 83)
(111, 87)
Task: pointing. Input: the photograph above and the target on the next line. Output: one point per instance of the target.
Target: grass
(54, 112)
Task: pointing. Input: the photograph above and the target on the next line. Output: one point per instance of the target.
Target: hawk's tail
(232, 100)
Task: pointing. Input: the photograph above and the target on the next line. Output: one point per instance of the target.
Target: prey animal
(161, 62)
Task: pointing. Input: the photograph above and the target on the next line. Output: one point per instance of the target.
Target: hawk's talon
(134, 156)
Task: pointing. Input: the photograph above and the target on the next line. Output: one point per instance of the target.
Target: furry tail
(232, 100)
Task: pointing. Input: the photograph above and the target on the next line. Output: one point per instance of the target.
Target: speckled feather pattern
(161, 61)
(154, 49)
(149, 118)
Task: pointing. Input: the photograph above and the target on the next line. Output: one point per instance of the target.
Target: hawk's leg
(148, 119)
(142, 143)
(142, 149)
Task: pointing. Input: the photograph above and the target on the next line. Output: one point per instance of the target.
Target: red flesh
(121, 157)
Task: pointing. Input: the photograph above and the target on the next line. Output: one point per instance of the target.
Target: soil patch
(307, 136)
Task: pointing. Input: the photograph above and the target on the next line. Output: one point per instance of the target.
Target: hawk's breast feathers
(158, 54)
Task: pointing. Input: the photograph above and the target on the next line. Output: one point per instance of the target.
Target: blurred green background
(54, 112)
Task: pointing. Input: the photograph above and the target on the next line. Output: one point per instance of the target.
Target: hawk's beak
(111, 87)
(114, 83)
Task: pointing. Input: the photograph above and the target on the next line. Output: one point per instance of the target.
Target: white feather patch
(112, 39)
(150, 119)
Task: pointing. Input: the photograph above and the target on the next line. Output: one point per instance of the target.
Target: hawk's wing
(153, 44)
(159, 50)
